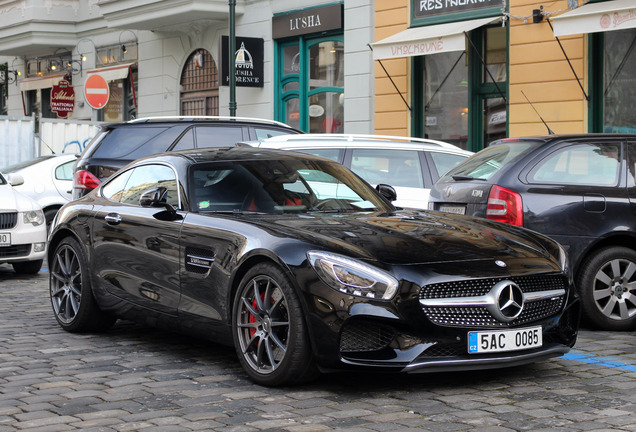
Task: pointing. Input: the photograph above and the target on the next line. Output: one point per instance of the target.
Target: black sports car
(304, 267)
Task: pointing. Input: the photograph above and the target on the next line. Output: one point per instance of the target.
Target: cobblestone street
(138, 378)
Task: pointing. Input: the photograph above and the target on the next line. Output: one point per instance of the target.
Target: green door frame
(303, 93)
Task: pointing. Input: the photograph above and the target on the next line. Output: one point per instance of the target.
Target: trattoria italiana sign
(62, 99)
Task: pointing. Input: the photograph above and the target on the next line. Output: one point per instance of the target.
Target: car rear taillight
(85, 180)
(505, 206)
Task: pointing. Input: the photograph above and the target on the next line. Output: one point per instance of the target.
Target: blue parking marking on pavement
(587, 358)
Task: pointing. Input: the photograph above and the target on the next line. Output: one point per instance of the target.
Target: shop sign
(307, 21)
(433, 8)
(248, 61)
(62, 99)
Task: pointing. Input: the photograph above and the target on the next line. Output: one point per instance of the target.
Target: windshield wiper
(459, 177)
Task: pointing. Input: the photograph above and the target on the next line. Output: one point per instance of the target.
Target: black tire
(70, 289)
(27, 267)
(270, 332)
(49, 215)
(605, 284)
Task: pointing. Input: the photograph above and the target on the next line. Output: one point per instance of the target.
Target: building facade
(471, 72)
(306, 64)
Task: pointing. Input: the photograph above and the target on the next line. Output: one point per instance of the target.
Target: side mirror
(156, 198)
(15, 179)
(387, 192)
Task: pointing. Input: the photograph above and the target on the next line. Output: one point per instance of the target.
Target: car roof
(243, 153)
(304, 141)
(200, 119)
(564, 137)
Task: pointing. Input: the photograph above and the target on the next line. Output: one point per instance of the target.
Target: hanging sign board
(96, 91)
(248, 61)
(62, 99)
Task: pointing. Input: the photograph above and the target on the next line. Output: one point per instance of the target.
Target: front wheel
(607, 284)
(270, 333)
(70, 289)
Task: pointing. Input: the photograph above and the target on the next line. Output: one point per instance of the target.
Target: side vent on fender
(198, 260)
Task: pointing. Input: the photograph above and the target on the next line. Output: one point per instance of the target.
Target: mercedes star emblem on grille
(509, 301)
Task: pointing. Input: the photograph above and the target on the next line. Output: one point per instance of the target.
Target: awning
(112, 73)
(40, 82)
(596, 17)
(433, 39)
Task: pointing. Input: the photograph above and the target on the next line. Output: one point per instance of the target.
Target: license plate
(504, 340)
(453, 209)
(5, 239)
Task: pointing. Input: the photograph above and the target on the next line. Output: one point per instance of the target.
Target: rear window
(121, 142)
(487, 162)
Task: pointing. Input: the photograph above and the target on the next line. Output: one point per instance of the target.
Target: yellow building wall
(537, 67)
(391, 114)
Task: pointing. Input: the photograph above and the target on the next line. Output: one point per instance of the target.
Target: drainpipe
(232, 59)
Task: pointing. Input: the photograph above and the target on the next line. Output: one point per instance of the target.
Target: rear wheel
(270, 333)
(72, 298)
(607, 284)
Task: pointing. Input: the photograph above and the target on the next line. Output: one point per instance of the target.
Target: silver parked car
(410, 165)
(47, 179)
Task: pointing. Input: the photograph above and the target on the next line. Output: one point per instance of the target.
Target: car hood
(401, 238)
(11, 200)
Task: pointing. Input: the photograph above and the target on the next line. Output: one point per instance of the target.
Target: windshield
(487, 162)
(280, 186)
(22, 165)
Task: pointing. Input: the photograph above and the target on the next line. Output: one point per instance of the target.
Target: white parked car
(47, 179)
(410, 165)
(22, 230)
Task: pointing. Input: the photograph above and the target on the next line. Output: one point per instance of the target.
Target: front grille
(478, 287)
(8, 220)
(365, 336)
(15, 251)
(479, 316)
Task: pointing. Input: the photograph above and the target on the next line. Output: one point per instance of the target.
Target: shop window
(311, 84)
(613, 61)
(200, 85)
(461, 99)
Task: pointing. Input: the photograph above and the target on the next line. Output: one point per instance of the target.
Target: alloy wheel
(614, 286)
(66, 284)
(263, 324)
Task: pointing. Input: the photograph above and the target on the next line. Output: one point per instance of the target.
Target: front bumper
(28, 243)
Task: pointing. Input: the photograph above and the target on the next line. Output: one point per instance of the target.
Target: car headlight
(563, 259)
(353, 277)
(34, 217)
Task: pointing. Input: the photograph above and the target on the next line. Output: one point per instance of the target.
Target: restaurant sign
(62, 99)
(435, 8)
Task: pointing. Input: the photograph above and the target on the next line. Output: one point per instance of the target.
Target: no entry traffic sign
(96, 91)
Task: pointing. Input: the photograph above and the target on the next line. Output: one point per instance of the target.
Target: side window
(115, 187)
(149, 177)
(65, 171)
(121, 142)
(582, 164)
(186, 142)
(333, 154)
(218, 136)
(445, 161)
(393, 167)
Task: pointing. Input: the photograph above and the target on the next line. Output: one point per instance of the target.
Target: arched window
(200, 85)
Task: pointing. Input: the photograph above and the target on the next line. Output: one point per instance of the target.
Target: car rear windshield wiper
(459, 177)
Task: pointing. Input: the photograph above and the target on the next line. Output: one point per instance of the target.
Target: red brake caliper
(252, 318)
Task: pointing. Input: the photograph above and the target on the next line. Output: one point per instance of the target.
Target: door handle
(112, 219)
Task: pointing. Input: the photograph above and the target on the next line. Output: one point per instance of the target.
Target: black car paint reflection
(301, 265)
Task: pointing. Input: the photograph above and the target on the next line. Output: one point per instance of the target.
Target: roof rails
(358, 137)
(196, 118)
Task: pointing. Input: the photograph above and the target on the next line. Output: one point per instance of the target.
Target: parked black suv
(117, 144)
(578, 189)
